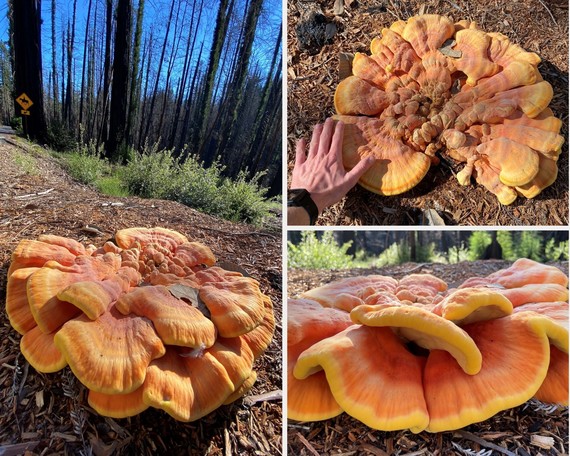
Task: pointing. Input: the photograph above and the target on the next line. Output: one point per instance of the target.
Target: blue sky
(156, 13)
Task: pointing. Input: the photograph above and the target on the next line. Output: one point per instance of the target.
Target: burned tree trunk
(28, 81)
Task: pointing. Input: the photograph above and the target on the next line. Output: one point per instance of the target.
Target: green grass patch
(111, 185)
(26, 163)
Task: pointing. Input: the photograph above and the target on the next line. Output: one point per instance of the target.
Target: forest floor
(38, 197)
(537, 26)
(510, 433)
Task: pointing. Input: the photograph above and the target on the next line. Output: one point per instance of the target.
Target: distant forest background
(347, 249)
(199, 79)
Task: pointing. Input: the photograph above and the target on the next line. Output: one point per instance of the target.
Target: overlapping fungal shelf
(432, 85)
(148, 321)
(413, 354)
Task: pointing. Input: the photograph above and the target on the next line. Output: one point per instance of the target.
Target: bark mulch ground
(514, 432)
(537, 26)
(48, 413)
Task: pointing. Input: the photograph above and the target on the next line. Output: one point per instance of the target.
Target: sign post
(25, 102)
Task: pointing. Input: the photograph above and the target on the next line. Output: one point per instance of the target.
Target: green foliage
(312, 253)
(554, 252)
(16, 124)
(84, 167)
(457, 254)
(60, 138)
(157, 174)
(478, 242)
(530, 246)
(425, 253)
(151, 174)
(397, 253)
(26, 163)
(111, 185)
(505, 240)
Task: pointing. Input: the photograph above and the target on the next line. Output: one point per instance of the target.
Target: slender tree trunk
(133, 98)
(144, 96)
(26, 17)
(54, 62)
(185, 72)
(204, 106)
(120, 88)
(68, 108)
(103, 132)
(237, 93)
(169, 69)
(85, 55)
(189, 104)
(157, 81)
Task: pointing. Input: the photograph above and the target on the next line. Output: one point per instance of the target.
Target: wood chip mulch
(515, 432)
(48, 413)
(313, 75)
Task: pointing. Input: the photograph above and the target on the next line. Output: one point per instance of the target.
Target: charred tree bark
(135, 91)
(26, 17)
(68, 106)
(85, 55)
(120, 88)
(103, 132)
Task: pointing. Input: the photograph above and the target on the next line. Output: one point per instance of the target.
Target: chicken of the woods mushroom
(431, 85)
(413, 354)
(148, 321)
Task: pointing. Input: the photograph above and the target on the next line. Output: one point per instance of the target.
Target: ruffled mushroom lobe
(369, 372)
(310, 399)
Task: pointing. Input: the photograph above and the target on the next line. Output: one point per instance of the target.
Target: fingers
(336, 144)
(361, 167)
(315, 139)
(326, 136)
(300, 155)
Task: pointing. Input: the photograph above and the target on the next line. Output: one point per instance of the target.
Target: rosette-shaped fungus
(148, 321)
(417, 355)
(432, 85)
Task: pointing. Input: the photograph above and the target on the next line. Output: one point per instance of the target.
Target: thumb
(361, 167)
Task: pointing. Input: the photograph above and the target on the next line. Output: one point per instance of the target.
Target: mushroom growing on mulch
(147, 322)
(431, 85)
(430, 359)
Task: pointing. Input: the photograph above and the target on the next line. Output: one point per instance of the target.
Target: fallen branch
(31, 195)
(484, 443)
(271, 396)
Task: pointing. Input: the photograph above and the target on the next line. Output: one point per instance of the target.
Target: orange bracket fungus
(147, 322)
(415, 354)
(432, 85)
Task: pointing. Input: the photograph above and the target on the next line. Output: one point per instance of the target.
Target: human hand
(322, 173)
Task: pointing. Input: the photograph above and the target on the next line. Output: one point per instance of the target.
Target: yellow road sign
(25, 112)
(25, 102)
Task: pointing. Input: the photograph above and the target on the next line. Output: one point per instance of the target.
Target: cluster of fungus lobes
(430, 85)
(148, 321)
(413, 354)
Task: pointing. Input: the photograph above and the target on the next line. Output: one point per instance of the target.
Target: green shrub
(60, 138)
(530, 246)
(151, 174)
(397, 253)
(85, 168)
(16, 124)
(478, 242)
(505, 240)
(312, 253)
(457, 254)
(244, 200)
(554, 252)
